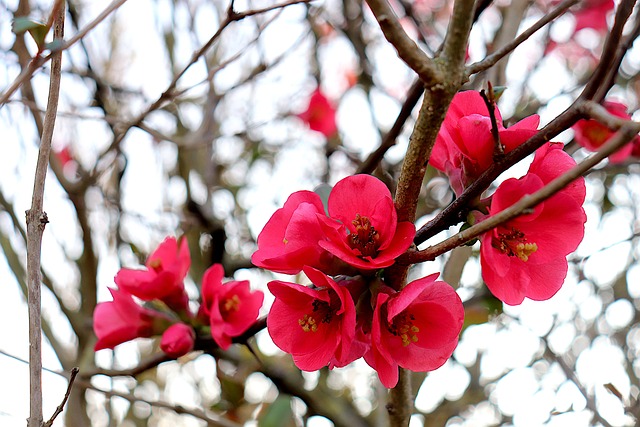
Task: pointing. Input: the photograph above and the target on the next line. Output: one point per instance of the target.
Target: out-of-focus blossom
(177, 340)
(230, 307)
(593, 14)
(526, 256)
(163, 279)
(465, 147)
(362, 229)
(122, 319)
(592, 134)
(320, 114)
(416, 328)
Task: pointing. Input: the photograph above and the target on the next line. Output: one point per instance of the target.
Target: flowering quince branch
(623, 136)
(455, 212)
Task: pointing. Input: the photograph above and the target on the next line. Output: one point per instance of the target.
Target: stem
(624, 135)
(36, 221)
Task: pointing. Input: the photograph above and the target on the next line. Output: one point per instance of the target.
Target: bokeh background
(224, 150)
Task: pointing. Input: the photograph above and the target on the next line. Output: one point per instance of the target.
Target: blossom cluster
(226, 310)
(344, 244)
(350, 312)
(526, 256)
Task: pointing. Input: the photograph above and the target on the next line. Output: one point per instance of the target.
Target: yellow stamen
(523, 250)
(308, 323)
(232, 304)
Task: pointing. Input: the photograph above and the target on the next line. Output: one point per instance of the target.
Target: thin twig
(389, 139)
(36, 221)
(452, 214)
(39, 61)
(622, 137)
(607, 64)
(407, 49)
(60, 407)
(496, 56)
(490, 102)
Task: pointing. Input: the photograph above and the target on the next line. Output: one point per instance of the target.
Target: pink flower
(592, 134)
(163, 279)
(177, 340)
(593, 15)
(464, 147)
(289, 240)
(367, 234)
(315, 326)
(416, 328)
(526, 256)
(320, 114)
(122, 320)
(231, 307)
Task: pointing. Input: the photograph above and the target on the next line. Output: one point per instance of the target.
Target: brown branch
(624, 135)
(36, 221)
(60, 407)
(490, 102)
(452, 214)
(407, 49)
(493, 59)
(170, 92)
(608, 58)
(570, 374)
(389, 139)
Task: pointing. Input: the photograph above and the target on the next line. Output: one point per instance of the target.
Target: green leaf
(498, 91)
(37, 30)
(278, 414)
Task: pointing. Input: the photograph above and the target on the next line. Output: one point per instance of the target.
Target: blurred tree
(200, 118)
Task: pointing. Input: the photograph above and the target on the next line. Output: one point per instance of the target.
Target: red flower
(315, 326)
(122, 320)
(231, 307)
(368, 235)
(177, 340)
(593, 15)
(320, 114)
(163, 278)
(526, 256)
(464, 147)
(289, 240)
(592, 134)
(416, 328)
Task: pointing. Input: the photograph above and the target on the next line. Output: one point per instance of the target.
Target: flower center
(515, 244)
(321, 313)
(231, 304)
(155, 264)
(597, 134)
(404, 328)
(365, 238)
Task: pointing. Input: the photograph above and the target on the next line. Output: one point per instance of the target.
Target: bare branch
(407, 49)
(624, 135)
(492, 59)
(36, 222)
(60, 407)
(39, 61)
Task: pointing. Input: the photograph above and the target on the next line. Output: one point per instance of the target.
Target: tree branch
(627, 132)
(36, 222)
(496, 56)
(407, 49)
